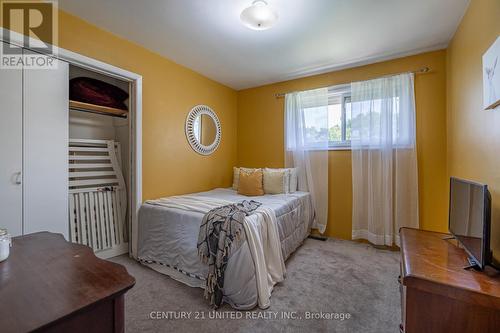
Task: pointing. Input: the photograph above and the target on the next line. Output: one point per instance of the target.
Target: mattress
(167, 241)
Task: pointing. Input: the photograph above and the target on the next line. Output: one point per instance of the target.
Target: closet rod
(422, 70)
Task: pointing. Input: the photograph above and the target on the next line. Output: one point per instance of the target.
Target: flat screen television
(470, 219)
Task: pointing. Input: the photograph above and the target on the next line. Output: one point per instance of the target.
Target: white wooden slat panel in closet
(46, 100)
(11, 141)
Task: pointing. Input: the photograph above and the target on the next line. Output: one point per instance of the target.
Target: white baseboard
(113, 252)
(375, 239)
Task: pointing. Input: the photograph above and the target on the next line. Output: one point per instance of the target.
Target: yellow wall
(473, 133)
(260, 136)
(457, 142)
(170, 166)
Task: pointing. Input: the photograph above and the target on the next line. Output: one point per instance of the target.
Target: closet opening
(100, 161)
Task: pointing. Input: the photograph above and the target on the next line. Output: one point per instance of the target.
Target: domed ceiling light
(259, 16)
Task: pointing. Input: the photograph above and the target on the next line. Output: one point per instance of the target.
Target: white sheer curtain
(306, 146)
(384, 159)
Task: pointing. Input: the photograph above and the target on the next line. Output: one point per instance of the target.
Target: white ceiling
(311, 36)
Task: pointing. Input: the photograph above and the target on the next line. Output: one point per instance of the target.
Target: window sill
(340, 148)
(325, 149)
(349, 148)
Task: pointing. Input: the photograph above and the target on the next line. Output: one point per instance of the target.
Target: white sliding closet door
(46, 100)
(11, 149)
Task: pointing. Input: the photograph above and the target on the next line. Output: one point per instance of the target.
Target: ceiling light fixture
(259, 16)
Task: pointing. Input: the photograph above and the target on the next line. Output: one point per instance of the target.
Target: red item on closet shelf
(93, 91)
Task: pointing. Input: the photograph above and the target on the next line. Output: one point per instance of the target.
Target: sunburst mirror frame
(190, 135)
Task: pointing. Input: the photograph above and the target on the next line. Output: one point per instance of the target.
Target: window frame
(344, 144)
(343, 92)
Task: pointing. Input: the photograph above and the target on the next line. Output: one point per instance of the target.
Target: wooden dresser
(50, 285)
(438, 294)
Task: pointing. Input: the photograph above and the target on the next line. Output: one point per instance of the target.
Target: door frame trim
(135, 117)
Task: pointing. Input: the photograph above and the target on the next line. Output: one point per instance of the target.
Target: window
(370, 123)
(339, 123)
(338, 114)
(381, 115)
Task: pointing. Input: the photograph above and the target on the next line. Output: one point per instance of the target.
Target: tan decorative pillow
(275, 181)
(250, 183)
(236, 176)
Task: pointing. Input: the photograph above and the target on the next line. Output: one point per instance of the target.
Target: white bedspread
(262, 237)
(190, 203)
(264, 244)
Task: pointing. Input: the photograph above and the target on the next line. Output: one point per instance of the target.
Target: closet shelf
(86, 107)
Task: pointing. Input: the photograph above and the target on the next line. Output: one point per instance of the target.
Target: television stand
(472, 265)
(438, 294)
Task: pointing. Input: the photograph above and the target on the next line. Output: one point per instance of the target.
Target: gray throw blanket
(221, 232)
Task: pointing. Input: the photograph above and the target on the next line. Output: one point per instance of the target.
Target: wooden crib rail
(97, 194)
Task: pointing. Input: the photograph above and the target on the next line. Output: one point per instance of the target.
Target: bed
(167, 241)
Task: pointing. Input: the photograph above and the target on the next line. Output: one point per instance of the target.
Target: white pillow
(236, 176)
(293, 178)
(276, 181)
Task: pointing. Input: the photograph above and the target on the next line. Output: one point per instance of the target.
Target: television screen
(469, 211)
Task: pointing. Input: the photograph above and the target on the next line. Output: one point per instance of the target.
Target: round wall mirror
(203, 130)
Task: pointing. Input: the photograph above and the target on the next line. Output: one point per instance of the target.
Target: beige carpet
(330, 280)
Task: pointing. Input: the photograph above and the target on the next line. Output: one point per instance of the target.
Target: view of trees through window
(338, 132)
(334, 125)
(339, 122)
